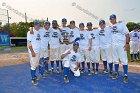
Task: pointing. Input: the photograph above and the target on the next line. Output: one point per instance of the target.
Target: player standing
(55, 36)
(106, 46)
(85, 47)
(95, 52)
(71, 59)
(44, 58)
(120, 44)
(65, 32)
(33, 44)
(134, 36)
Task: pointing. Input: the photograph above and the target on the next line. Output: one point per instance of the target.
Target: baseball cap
(75, 44)
(89, 24)
(47, 23)
(72, 22)
(101, 22)
(64, 20)
(37, 23)
(136, 27)
(81, 24)
(113, 16)
(54, 21)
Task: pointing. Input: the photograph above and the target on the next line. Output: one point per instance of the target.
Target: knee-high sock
(66, 71)
(116, 68)
(83, 65)
(57, 63)
(52, 64)
(135, 56)
(41, 66)
(97, 65)
(131, 56)
(125, 68)
(33, 74)
(105, 64)
(88, 65)
(93, 65)
(110, 67)
(61, 65)
(46, 63)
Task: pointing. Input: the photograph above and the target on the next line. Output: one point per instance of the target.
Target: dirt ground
(8, 59)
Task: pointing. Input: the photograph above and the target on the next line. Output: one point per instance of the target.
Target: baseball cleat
(66, 79)
(34, 82)
(82, 71)
(57, 71)
(115, 76)
(110, 74)
(51, 70)
(105, 71)
(96, 71)
(89, 72)
(93, 71)
(36, 78)
(44, 76)
(125, 79)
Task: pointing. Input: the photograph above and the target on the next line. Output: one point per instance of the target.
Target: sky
(126, 10)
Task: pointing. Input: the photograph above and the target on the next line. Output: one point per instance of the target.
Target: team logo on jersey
(46, 34)
(55, 35)
(82, 36)
(38, 37)
(71, 34)
(135, 35)
(92, 35)
(102, 33)
(114, 30)
(73, 58)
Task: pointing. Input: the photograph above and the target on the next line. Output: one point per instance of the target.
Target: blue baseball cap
(101, 22)
(89, 24)
(54, 21)
(81, 24)
(113, 16)
(47, 23)
(72, 22)
(37, 23)
(75, 44)
(136, 27)
(64, 20)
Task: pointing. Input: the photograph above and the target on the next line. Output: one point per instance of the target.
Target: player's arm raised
(65, 54)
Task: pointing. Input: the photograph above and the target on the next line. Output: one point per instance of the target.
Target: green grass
(14, 48)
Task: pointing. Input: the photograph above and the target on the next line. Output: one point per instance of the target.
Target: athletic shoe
(57, 71)
(93, 71)
(125, 79)
(82, 71)
(115, 76)
(44, 76)
(51, 70)
(110, 74)
(105, 71)
(34, 82)
(36, 78)
(96, 71)
(66, 79)
(89, 72)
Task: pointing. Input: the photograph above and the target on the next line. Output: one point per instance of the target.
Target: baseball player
(85, 47)
(95, 52)
(45, 37)
(105, 46)
(55, 36)
(71, 59)
(134, 36)
(120, 44)
(64, 31)
(33, 44)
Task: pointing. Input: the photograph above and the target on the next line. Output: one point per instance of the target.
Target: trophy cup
(65, 36)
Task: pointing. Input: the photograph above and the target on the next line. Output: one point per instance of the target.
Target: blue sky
(126, 10)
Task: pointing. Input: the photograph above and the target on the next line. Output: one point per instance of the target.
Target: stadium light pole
(8, 21)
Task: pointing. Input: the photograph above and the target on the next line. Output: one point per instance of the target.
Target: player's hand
(126, 47)
(90, 48)
(33, 54)
(76, 68)
(68, 52)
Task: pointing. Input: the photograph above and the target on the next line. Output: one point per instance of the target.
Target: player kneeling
(71, 59)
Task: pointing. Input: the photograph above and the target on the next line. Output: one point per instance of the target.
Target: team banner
(4, 39)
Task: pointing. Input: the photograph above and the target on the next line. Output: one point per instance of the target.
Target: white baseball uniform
(119, 31)
(71, 61)
(95, 52)
(84, 45)
(74, 33)
(55, 36)
(64, 47)
(35, 40)
(45, 38)
(106, 44)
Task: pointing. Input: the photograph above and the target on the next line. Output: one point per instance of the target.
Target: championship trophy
(65, 37)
